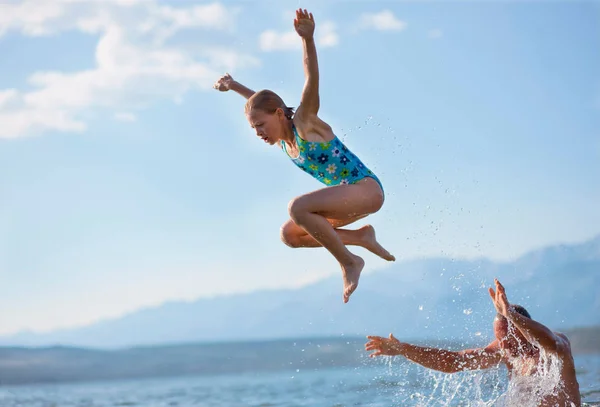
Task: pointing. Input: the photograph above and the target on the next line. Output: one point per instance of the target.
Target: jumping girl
(352, 191)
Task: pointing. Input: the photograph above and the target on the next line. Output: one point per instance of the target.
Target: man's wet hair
(521, 310)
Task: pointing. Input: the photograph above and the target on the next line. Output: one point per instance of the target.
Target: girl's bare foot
(372, 245)
(351, 275)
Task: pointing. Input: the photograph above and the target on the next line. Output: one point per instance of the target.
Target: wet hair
(268, 101)
(519, 309)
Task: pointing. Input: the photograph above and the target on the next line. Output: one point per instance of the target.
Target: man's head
(508, 336)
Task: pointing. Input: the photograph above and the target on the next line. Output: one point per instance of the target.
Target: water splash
(469, 389)
(540, 387)
(422, 387)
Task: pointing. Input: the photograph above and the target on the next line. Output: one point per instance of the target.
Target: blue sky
(126, 181)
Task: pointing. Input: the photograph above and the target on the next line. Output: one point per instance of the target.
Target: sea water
(384, 383)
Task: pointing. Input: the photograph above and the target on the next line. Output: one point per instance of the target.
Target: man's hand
(499, 299)
(223, 83)
(304, 23)
(383, 346)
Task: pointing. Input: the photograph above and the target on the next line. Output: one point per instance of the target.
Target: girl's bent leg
(294, 236)
(311, 211)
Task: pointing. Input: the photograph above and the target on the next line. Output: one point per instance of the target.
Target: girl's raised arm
(304, 23)
(226, 82)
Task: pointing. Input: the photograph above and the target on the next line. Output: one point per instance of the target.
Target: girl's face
(268, 126)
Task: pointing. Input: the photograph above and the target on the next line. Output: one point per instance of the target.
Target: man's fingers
(499, 286)
(502, 294)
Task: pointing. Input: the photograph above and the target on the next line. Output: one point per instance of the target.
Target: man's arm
(533, 331)
(305, 26)
(437, 359)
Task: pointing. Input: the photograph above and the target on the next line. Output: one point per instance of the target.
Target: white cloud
(382, 21)
(31, 18)
(225, 59)
(36, 18)
(134, 67)
(271, 40)
(328, 35)
(8, 95)
(125, 117)
(435, 33)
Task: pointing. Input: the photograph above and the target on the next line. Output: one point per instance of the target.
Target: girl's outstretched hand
(304, 23)
(223, 83)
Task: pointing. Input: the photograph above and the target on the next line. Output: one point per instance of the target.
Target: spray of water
(541, 386)
(436, 389)
(416, 386)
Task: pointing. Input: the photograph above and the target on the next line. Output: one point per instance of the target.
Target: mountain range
(69, 364)
(435, 298)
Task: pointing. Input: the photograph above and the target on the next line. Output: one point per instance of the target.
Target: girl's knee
(296, 207)
(288, 235)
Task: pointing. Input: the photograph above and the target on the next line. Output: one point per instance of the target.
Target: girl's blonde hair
(268, 101)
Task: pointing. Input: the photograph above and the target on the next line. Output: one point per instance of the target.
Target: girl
(352, 191)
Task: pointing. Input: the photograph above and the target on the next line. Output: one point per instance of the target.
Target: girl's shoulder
(313, 129)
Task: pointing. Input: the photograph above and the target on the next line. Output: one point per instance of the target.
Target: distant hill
(64, 364)
(585, 340)
(58, 364)
(441, 299)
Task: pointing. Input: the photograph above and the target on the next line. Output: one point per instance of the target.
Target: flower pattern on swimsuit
(331, 163)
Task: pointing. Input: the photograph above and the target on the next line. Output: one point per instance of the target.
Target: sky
(127, 181)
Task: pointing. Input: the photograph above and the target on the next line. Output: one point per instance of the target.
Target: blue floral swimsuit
(331, 163)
